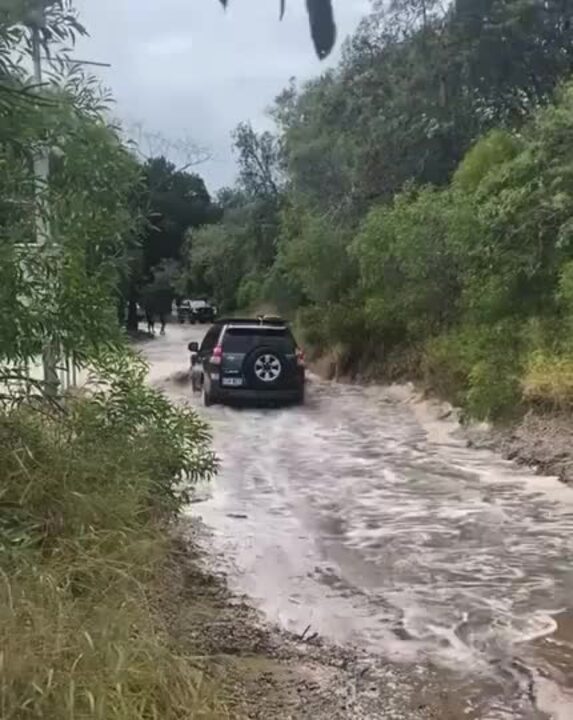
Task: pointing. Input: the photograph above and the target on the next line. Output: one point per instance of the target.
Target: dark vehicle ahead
(248, 360)
(184, 311)
(202, 311)
(195, 311)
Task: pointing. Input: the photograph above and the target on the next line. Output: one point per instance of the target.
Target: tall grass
(83, 507)
(548, 381)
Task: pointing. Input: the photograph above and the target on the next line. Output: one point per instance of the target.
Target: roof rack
(273, 320)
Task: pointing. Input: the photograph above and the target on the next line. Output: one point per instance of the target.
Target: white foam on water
(552, 699)
(368, 517)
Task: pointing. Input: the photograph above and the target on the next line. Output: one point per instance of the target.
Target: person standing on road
(150, 321)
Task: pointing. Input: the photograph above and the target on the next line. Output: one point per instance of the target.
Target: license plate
(232, 381)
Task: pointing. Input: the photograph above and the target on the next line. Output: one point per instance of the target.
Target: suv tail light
(299, 357)
(217, 355)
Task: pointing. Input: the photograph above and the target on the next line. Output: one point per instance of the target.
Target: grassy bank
(86, 494)
(481, 376)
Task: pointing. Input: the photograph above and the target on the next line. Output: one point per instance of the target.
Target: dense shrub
(86, 493)
(548, 381)
(477, 367)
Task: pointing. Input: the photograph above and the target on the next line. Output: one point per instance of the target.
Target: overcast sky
(186, 69)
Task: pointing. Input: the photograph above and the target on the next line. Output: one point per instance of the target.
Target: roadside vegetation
(413, 211)
(90, 482)
(87, 495)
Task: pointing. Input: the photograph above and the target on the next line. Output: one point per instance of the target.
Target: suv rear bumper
(222, 395)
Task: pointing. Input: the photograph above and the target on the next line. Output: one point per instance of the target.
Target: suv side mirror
(193, 347)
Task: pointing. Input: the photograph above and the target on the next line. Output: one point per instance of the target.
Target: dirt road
(364, 519)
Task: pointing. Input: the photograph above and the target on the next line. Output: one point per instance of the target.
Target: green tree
(416, 87)
(231, 261)
(176, 200)
(424, 200)
(260, 161)
(175, 203)
(65, 288)
(412, 255)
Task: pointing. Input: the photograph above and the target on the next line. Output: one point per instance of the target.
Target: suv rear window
(243, 340)
(210, 339)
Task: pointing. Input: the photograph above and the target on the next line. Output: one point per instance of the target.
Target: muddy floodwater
(364, 517)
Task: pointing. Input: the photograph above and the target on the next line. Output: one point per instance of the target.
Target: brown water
(366, 518)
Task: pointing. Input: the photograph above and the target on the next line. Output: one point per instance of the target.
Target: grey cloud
(185, 68)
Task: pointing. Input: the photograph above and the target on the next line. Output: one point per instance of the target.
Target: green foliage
(85, 497)
(155, 452)
(230, 261)
(89, 483)
(409, 255)
(358, 133)
(126, 409)
(260, 157)
(446, 366)
(548, 380)
(63, 241)
(416, 206)
(480, 271)
(314, 253)
(486, 156)
(217, 263)
(176, 201)
(525, 210)
(477, 367)
(565, 293)
(250, 290)
(175, 204)
(280, 289)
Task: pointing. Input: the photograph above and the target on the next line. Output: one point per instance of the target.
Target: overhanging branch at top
(322, 25)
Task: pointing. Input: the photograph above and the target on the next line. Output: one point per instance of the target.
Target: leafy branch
(322, 25)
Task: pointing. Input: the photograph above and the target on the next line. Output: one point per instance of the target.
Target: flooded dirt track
(363, 517)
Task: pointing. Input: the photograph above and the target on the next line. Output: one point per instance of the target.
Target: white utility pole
(41, 179)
